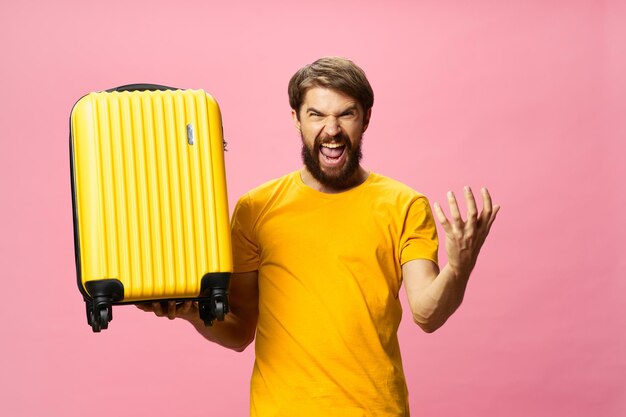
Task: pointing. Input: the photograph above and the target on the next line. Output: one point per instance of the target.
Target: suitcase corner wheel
(215, 307)
(99, 314)
(99, 309)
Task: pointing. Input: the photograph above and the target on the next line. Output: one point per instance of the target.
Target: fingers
(472, 211)
(186, 307)
(157, 308)
(147, 307)
(457, 220)
(454, 209)
(169, 309)
(441, 217)
(486, 217)
(494, 213)
(487, 207)
(454, 212)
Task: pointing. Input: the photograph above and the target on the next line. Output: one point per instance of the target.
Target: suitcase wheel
(101, 320)
(220, 310)
(89, 310)
(100, 316)
(215, 307)
(205, 312)
(104, 293)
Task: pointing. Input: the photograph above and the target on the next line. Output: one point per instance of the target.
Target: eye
(347, 114)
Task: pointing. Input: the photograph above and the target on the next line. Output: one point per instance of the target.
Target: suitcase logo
(190, 134)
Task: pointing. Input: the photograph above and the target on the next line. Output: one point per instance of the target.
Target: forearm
(234, 332)
(437, 301)
(237, 330)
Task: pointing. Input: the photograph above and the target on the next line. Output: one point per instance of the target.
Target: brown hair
(335, 73)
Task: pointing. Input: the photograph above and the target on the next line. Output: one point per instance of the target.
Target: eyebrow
(347, 110)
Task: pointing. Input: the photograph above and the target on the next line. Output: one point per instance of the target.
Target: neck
(357, 179)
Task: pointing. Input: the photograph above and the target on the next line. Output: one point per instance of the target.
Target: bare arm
(238, 329)
(435, 295)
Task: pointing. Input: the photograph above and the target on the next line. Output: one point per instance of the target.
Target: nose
(332, 127)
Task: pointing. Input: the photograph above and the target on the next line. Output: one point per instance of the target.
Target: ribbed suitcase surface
(149, 185)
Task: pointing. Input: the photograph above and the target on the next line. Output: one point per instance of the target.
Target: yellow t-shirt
(329, 277)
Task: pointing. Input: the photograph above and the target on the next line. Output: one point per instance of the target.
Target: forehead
(328, 100)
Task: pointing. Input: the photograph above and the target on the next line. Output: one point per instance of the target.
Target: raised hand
(464, 238)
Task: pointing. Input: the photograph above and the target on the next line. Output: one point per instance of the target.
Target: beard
(342, 178)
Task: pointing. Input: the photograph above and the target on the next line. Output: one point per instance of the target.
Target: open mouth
(332, 153)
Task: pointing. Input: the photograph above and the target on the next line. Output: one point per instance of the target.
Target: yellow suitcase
(149, 200)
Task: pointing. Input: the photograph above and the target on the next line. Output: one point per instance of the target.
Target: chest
(329, 230)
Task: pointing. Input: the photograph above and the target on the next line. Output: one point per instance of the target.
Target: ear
(366, 119)
(296, 119)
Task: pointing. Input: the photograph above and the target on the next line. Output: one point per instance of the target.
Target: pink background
(526, 97)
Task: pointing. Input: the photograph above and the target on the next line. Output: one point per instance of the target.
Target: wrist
(458, 272)
(195, 321)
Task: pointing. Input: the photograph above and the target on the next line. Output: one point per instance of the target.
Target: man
(319, 258)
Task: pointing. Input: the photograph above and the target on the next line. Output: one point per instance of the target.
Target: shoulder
(394, 189)
(269, 188)
(273, 184)
(261, 194)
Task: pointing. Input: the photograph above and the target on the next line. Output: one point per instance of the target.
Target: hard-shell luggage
(149, 200)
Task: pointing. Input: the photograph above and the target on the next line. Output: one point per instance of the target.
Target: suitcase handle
(141, 87)
(148, 87)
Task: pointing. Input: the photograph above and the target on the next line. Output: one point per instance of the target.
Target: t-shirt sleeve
(419, 234)
(245, 247)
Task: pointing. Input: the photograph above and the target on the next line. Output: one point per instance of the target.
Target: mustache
(340, 138)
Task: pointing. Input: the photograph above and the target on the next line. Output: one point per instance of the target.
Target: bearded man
(320, 255)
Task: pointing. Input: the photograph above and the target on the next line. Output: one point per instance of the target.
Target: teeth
(332, 145)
